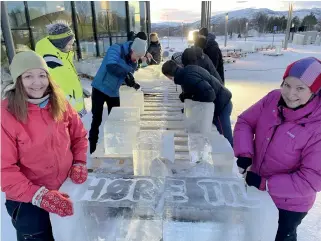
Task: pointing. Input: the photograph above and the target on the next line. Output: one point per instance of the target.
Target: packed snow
(249, 79)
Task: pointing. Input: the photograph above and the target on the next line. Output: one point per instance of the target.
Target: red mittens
(78, 173)
(53, 202)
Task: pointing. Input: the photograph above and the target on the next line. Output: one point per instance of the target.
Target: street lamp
(226, 20)
(246, 30)
(287, 35)
(168, 31)
(182, 31)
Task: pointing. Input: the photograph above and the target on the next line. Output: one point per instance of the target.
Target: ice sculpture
(120, 130)
(112, 208)
(199, 116)
(129, 97)
(151, 153)
(211, 149)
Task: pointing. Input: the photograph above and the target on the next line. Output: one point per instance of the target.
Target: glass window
(119, 40)
(134, 16)
(85, 30)
(43, 13)
(21, 39)
(104, 44)
(4, 54)
(111, 17)
(16, 12)
(143, 16)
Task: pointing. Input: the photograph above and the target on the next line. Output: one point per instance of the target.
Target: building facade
(97, 24)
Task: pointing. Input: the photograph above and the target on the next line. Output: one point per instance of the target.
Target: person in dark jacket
(195, 56)
(117, 67)
(207, 42)
(192, 79)
(199, 85)
(155, 49)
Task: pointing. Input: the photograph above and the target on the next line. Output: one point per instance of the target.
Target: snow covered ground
(249, 79)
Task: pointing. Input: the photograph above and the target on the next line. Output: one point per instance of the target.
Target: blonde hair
(18, 101)
(153, 36)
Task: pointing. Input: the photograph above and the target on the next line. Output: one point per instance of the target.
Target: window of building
(143, 16)
(85, 29)
(43, 13)
(4, 54)
(111, 21)
(134, 16)
(16, 12)
(19, 27)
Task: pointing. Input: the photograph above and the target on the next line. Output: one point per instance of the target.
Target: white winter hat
(139, 47)
(22, 62)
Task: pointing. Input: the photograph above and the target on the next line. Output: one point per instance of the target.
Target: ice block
(211, 150)
(114, 208)
(120, 130)
(198, 116)
(129, 97)
(152, 151)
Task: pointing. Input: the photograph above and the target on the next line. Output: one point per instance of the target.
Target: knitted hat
(308, 70)
(203, 31)
(22, 62)
(60, 34)
(177, 57)
(139, 47)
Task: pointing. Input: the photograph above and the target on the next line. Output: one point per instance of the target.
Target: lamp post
(168, 31)
(288, 26)
(226, 20)
(182, 31)
(246, 30)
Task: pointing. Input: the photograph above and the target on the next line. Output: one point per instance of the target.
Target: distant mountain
(166, 24)
(175, 28)
(250, 13)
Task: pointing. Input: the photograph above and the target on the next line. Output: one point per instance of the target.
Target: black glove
(243, 163)
(181, 97)
(252, 179)
(130, 80)
(136, 86)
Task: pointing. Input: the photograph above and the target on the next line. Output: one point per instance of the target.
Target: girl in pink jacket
(278, 144)
(43, 142)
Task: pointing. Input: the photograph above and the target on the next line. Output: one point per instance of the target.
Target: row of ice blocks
(112, 208)
(209, 155)
(120, 130)
(129, 97)
(198, 116)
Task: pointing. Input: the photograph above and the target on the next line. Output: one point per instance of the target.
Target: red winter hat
(308, 70)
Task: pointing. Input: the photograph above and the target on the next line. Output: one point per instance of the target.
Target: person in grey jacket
(155, 49)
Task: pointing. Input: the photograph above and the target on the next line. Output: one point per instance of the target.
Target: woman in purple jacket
(278, 144)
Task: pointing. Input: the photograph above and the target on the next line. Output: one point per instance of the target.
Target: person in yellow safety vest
(57, 51)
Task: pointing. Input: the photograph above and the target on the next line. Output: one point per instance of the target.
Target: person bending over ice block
(278, 144)
(118, 66)
(195, 56)
(43, 142)
(199, 85)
